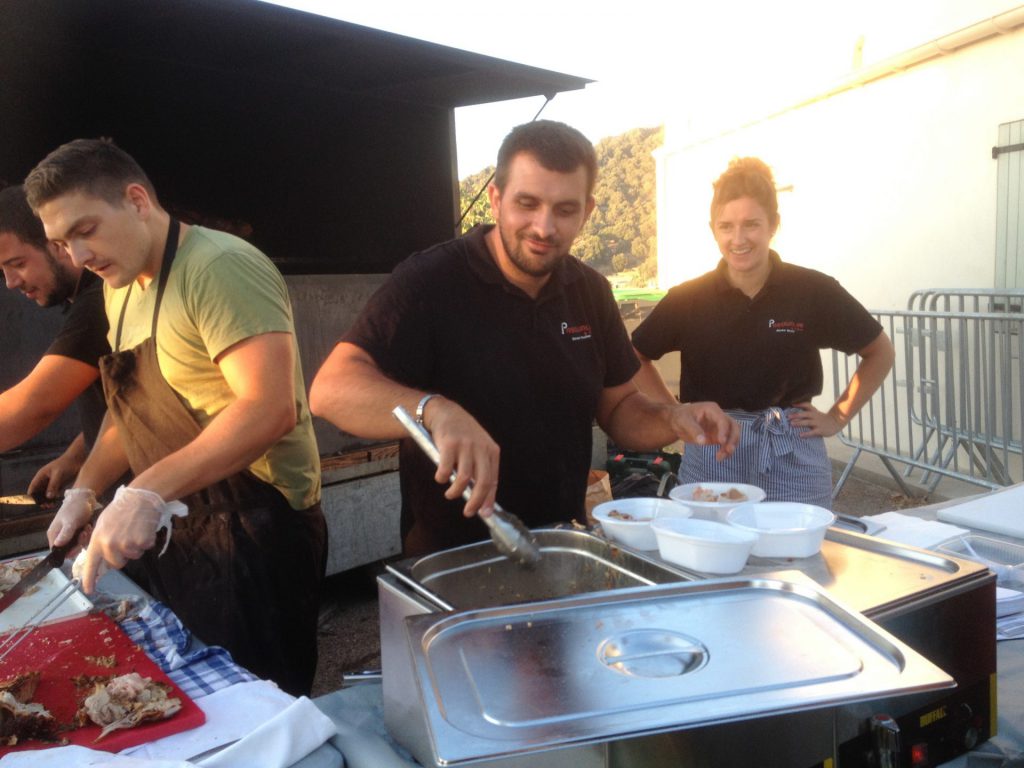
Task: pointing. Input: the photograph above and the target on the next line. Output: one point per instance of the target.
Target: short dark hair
(97, 167)
(17, 218)
(746, 177)
(556, 146)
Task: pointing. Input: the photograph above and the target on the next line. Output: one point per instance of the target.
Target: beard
(65, 282)
(526, 263)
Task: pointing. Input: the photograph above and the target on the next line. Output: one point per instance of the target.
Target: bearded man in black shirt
(69, 368)
(502, 338)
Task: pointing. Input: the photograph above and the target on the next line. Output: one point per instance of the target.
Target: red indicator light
(919, 755)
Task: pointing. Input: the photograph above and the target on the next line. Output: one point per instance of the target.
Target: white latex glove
(79, 564)
(74, 512)
(126, 529)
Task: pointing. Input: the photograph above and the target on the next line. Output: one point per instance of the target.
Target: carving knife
(54, 559)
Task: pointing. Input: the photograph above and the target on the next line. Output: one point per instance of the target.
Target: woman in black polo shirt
(749, 334)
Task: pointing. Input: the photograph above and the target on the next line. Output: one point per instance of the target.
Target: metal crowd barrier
(967, 300)
(951, 406)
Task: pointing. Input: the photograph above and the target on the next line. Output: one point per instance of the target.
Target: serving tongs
(510, 536)
(37, 619)
(15, 637)
(53, 559)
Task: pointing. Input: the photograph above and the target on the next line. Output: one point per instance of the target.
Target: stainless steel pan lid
(519, 679)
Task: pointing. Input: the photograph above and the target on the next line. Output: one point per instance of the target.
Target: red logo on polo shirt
(576, 332)
(786, 326)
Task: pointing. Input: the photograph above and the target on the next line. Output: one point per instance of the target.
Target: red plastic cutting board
(59, 652)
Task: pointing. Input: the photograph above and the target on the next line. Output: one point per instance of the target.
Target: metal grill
(951, 406)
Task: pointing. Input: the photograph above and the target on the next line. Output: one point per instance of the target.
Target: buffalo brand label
(930, 717)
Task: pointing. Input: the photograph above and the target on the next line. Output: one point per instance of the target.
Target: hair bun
(746, 177)
(753, 166)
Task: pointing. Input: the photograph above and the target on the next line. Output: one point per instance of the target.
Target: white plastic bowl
(785, 528)
(637, 532)
(703, 545)
(715, 510)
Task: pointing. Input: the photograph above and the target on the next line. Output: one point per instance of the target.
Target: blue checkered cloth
(197, 672)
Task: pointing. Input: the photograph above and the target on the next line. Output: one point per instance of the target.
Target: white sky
(656, 58)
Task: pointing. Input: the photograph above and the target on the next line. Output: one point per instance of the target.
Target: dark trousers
(248, 580)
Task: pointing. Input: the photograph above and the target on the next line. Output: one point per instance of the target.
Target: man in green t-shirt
(206, 406)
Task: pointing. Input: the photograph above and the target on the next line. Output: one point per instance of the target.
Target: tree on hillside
(622, 231)
(480, 212)
(623, 225)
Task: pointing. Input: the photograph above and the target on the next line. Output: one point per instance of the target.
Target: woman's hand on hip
(810, 422)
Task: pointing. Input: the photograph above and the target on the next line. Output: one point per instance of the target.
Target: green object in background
(657, 463)
(638, 294)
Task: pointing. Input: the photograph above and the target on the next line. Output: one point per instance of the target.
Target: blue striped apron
(771, 455)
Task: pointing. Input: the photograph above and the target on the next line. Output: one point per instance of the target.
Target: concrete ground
(349, 639)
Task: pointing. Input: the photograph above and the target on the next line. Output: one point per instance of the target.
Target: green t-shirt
(220, 291)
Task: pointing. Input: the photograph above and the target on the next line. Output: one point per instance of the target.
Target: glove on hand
(133, 518)
(126, 529)
(74, 512)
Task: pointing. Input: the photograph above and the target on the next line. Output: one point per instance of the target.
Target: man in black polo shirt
(502, 338)
(69, 368)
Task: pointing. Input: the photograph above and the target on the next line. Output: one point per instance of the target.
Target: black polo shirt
(83, 337)
(530, 371)
(754, 353)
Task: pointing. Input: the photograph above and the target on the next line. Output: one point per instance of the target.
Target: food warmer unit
(868, 654)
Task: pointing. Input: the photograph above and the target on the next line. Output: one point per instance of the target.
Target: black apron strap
(170, 250)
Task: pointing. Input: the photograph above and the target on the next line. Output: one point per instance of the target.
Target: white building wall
(889, 187)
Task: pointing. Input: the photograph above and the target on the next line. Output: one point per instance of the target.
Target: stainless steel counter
(869, 574)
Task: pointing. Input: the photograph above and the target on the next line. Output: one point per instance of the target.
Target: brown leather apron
(243, 569)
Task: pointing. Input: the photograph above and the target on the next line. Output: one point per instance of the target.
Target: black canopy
(333, 142)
